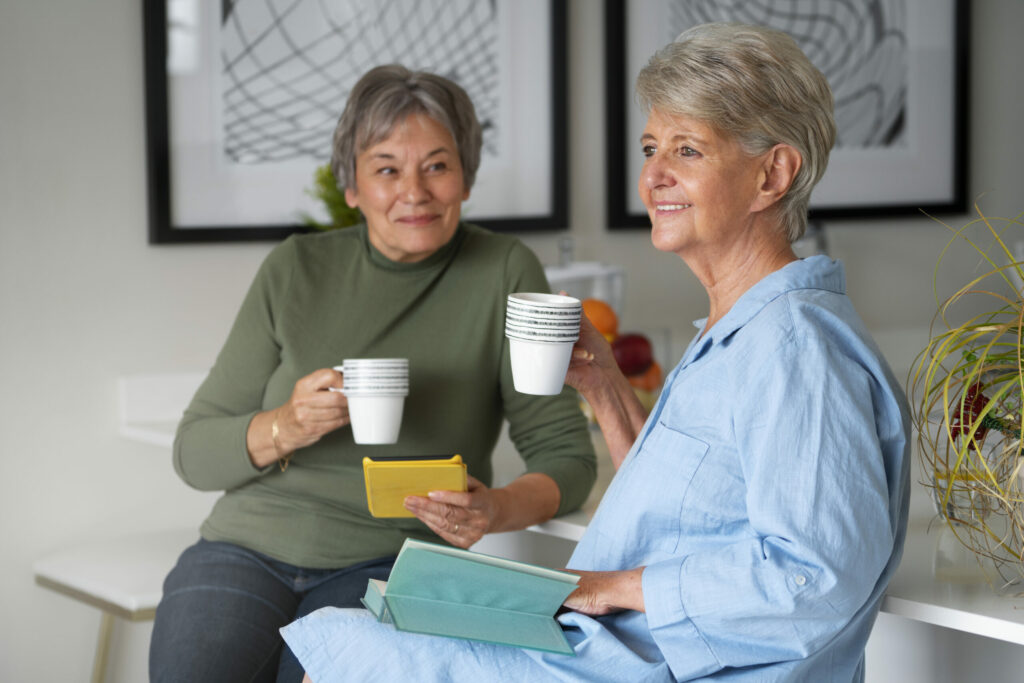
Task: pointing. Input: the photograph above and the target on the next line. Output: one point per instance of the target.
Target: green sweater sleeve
(210, 450)
(550, 432)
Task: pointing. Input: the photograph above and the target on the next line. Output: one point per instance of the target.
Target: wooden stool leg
(99, 662)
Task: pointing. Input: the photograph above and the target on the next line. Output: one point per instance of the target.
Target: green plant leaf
(325, 189)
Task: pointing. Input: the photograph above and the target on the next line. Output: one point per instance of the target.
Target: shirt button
(800, 579)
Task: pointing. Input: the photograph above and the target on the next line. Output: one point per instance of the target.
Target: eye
(438, 166)
(685, 151)
(386, 170)
(649, 150)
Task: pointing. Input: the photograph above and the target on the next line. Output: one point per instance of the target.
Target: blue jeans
(222, 607)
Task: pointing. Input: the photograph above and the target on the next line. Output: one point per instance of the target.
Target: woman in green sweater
(292, 532)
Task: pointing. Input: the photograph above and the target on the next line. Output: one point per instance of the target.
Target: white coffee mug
(539, 367)
(376, 418)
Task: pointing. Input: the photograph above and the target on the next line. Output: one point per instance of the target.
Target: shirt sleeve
(549, 432)
(820, 531)
(210, 451)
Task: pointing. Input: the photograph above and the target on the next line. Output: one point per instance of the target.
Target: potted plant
(966, 390)
(325, 188)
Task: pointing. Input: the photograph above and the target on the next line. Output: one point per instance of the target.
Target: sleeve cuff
(573, 478)
(246, 465)
(682, 646)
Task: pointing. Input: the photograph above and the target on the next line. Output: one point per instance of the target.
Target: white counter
(940, 583)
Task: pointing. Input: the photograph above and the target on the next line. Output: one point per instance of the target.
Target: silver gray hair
(387, 95)
(754, 84)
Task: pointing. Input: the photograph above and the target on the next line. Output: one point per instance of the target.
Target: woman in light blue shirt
(758, 512)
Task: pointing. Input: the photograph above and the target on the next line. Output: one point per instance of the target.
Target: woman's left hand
(459, 517)
(599, 593)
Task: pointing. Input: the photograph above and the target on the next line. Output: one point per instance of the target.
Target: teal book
(373, 600)
(447, 591)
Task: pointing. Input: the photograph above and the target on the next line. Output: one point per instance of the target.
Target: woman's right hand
(592, 364)
(312, 411)
(594, 373)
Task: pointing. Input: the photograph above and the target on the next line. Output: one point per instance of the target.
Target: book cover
(447, 591)
(389, 480)
(373, 600)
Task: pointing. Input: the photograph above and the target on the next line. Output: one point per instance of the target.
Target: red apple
(633, 353)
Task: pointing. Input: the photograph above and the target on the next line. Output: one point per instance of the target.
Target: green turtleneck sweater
(321, 298)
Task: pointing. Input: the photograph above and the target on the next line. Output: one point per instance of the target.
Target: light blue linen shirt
(766, 498)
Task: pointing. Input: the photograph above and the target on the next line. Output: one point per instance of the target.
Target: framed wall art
(242, 97)
(898, 70)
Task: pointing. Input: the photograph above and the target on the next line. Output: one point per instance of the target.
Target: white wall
(84, 299)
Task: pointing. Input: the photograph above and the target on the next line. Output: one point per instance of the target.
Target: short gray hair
(754, 84)
(387, 95)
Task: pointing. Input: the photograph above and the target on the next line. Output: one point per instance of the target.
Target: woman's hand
(592, 362)
(594, 373)
(461, 518)
(600, 593)
(312, 411)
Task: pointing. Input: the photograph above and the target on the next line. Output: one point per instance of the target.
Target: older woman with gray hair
(758, 512)
(292, 532)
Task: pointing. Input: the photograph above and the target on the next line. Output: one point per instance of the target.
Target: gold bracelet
(282, 460)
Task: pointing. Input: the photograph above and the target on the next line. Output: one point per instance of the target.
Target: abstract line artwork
(287, 65)
(860, 47)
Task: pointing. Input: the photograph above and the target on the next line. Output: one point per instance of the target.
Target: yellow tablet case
(390, 480)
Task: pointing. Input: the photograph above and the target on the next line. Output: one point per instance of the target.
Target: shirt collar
(814, 272)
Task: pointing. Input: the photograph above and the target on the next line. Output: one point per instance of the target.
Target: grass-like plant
(325, 189)
(966, 389)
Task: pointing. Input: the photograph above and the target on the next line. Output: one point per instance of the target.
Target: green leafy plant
(326, 190)
(967, 386)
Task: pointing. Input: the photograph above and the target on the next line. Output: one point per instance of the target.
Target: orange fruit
(648, 380)
(602, 316)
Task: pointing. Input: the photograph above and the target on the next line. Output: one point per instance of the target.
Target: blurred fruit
(633, 353)
(649, 380)
(602, 316)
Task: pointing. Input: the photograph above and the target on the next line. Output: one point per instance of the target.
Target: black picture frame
(836, 196)
(549, 179)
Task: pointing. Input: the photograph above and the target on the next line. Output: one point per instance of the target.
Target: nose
(414, 190)
(654, 174)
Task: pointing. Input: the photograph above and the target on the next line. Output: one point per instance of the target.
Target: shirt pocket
(644, 506)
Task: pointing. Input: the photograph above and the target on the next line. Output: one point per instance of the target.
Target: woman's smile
(422, 219)
(410, 189)
(696, 183)
(666, 207)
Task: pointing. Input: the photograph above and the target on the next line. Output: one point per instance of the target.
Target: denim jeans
(222, 607)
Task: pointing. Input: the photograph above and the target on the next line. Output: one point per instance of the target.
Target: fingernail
(433, 495)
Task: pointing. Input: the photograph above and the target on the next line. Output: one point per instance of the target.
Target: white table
(940, 583)
(122, 577)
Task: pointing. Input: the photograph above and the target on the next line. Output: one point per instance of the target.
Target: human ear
(351, 197)
(781, 164)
